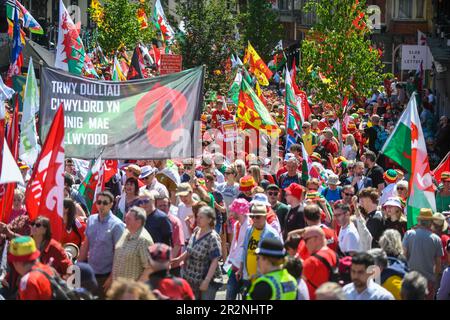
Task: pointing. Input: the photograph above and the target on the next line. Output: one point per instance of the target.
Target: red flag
(7, 198)
(443, 166)
(45, 190)
(111, 167)
(157, 54)
(13, 132)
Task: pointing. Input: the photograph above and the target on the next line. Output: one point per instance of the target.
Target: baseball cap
(183, 189)
(159, 256)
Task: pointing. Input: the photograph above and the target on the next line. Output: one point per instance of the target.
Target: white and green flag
(233, 93)
(337, 132)
(29, 148)
(406, 146)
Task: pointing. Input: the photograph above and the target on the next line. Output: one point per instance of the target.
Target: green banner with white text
(139, 119)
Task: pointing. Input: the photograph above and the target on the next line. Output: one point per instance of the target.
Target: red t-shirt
(219, 116)
(182, 291)
(72, 236)
(60, 260)
(281, 171)
(332, 242)
(316, 272)
(34, 285)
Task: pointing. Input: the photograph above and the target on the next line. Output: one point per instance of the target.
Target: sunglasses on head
(36, 224)
(104, 202)
(143, 201)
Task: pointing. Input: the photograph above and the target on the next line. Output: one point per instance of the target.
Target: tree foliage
(338, 59)
(261, 26)
(118, 25)
(210, 38)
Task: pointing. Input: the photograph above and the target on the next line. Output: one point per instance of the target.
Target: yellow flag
(257, 63)
(261, 77)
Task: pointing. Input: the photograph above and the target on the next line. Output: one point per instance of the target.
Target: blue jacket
(267, 233)
(367, 182)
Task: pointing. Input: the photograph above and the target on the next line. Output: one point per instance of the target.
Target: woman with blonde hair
(391, 242)
(255, 172)
(394, 217)
(350, 149)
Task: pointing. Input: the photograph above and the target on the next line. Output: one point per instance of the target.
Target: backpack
(61, 291)
(382, 136)
(334, 275)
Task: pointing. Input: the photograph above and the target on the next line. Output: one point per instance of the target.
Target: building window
(307, 18)
(285, 4)
(409, 9)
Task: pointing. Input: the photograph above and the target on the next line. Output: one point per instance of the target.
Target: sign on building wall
(170, 63)
(413, 55)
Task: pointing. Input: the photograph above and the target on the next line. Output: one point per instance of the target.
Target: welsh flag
(233, 93)
(292, 101)
(29, 148)
(99, 174)
(253, 112)
(161, 23)
(45, 190)
(70, 53)
(406, 147)
(93, 184)
(308, 170)
(337, 132)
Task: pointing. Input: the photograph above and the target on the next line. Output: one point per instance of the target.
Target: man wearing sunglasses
(259, 231)
(148, 176)
(280, 208)
(189, 171)
(103, 231)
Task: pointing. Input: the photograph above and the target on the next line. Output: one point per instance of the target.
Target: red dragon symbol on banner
(167, 102)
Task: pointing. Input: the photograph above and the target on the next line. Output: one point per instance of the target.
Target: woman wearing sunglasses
(52, 252)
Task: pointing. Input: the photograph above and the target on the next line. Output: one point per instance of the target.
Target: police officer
(275, 283)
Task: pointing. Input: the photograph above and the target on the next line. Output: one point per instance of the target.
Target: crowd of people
(184, 229)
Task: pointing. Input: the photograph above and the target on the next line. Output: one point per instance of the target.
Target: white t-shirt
(303, 293)
(349, 239)
(184, 212)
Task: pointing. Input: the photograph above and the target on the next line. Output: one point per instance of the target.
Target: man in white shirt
(349, 241)
(185, 214)
(363, 287)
